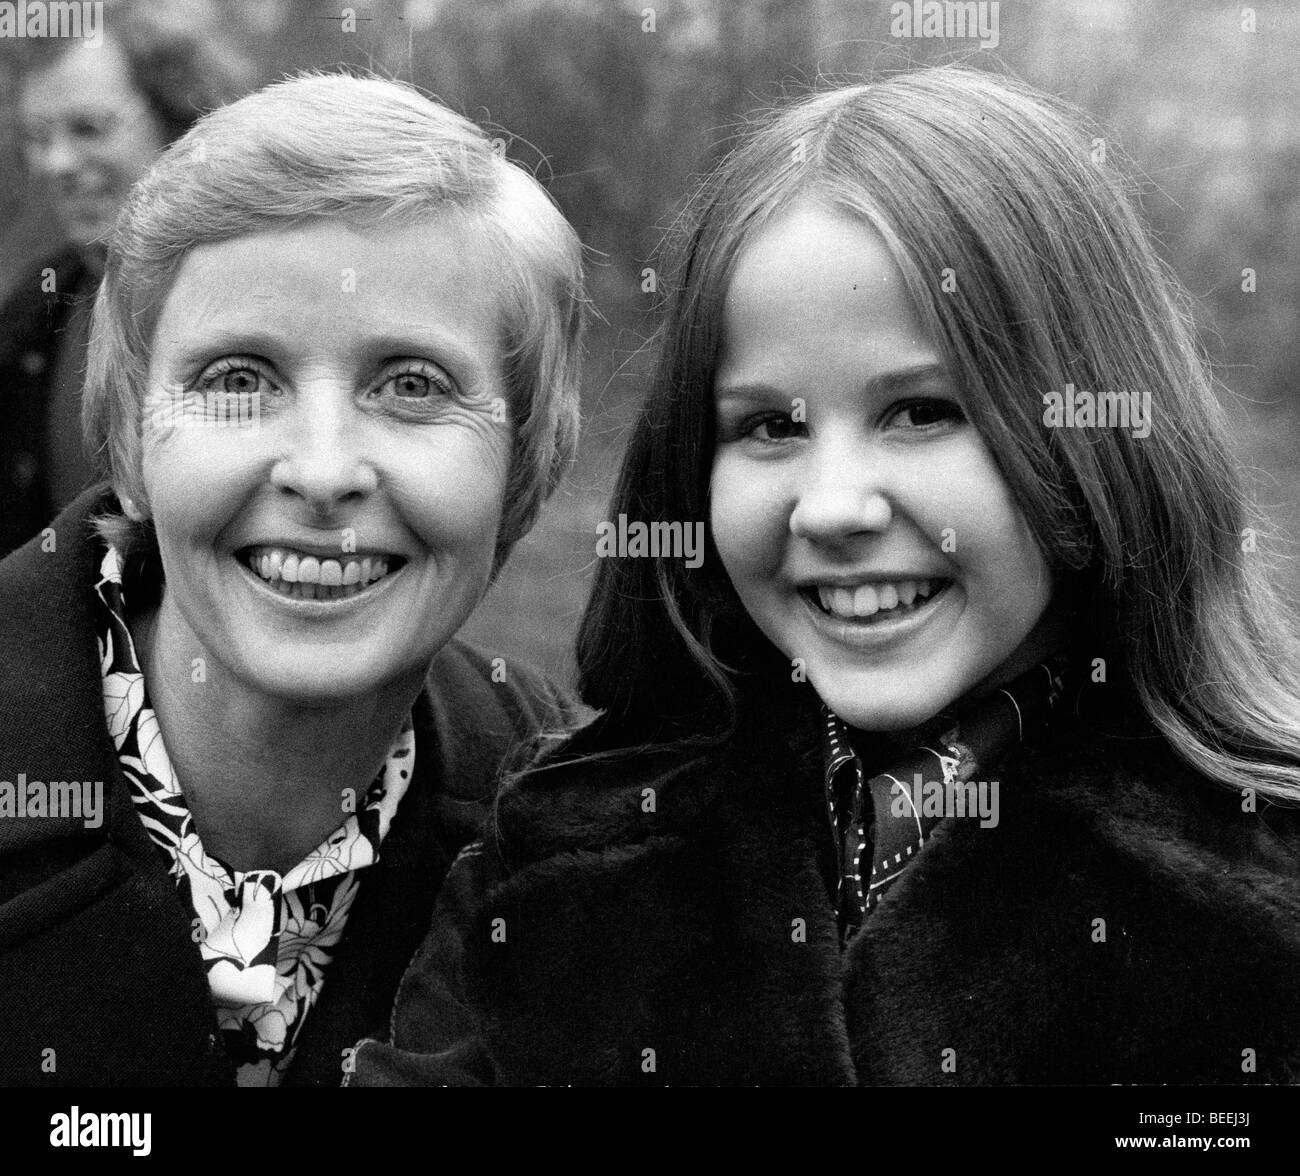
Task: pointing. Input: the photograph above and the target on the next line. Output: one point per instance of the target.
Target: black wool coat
(97, 961)
(667, 921)
(31, 320)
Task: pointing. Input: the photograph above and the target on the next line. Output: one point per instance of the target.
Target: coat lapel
(92, 923)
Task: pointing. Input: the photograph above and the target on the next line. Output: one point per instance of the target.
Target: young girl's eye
(772, 427)
(925, 414)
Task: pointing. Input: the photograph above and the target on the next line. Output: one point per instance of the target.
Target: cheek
(749, 520)
(1001, 554)
(194, 482)
(450, 487)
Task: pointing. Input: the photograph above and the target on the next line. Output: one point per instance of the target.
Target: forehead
(337, 286)
(818, 282)
(80, 79)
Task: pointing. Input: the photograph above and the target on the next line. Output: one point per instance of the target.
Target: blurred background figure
(89, 121)
(617, 104)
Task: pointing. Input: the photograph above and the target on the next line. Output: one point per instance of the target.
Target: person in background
(91, 121)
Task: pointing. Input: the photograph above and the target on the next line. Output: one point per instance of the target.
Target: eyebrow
(888, 383)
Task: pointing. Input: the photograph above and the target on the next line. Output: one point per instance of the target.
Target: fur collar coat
(665, 921)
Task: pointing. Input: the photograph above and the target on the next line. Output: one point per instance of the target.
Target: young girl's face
(860, 516)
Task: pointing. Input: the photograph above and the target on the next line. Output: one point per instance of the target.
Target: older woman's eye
(413, 384)
(237, 378)
(243, 382)
(416, 382)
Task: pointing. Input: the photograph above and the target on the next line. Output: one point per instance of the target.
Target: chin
(885, 707)
(319, 678)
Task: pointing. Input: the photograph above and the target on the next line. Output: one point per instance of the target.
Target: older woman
(333, 376)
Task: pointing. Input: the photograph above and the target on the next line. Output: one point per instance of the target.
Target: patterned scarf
(884, 821)
(266, 939)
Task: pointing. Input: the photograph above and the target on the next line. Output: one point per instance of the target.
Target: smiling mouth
(303, 576)
(874, 602)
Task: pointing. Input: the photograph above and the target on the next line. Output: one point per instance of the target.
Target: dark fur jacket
(663, 920)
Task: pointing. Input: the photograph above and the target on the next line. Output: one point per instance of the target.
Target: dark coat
(96, 956)
(30, 323)
(681, 908)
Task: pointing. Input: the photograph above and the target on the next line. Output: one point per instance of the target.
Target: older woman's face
(326, 451)
(89, 134)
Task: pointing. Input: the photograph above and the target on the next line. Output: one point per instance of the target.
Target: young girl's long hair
(1032, 272)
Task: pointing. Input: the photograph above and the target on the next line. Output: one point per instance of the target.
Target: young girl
(969, 755)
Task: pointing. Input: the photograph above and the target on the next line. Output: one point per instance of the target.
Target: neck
(266, 779)
(1049, 635)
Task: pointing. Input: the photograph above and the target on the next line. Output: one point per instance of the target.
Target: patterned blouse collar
(266, 939)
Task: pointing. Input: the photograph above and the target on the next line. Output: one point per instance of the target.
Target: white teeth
(284, 569)
(865, 601)
(870, 600)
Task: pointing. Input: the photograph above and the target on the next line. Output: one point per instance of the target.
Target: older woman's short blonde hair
(372, 152)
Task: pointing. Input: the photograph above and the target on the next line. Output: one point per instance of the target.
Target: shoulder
(1201, 841)
(473, 679)
(486, 718)
(588, 796)
(46, 584)
(470, 689)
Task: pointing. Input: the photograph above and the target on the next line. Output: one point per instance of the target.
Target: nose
(325, 460)
(56, 156)
(842, 494)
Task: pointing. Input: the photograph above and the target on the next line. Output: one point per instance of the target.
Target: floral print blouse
(266, 938)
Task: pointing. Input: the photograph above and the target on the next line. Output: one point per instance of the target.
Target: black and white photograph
(603, 543)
